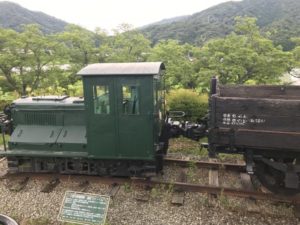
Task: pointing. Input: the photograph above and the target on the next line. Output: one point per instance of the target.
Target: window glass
(155, 94)
(101, 99)
(130, 99)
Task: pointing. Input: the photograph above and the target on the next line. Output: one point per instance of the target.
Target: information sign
(83, 208)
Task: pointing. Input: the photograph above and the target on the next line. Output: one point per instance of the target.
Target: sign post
(83, 208)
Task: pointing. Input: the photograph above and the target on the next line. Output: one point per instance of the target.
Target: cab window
(101, 99)
(130, 100)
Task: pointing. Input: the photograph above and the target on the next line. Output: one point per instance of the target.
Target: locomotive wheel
(273, 179)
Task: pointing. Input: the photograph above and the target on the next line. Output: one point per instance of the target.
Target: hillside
(280, 18)
(166, 21)
(13, 15)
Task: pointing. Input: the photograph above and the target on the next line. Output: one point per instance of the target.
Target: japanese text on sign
(240, 119)
(84, 208)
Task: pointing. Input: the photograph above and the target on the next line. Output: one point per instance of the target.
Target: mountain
(167, 21)
(13, 16)
(279, 18)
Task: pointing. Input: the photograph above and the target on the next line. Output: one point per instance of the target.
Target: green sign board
(83, 208)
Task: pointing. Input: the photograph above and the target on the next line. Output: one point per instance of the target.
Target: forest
(278, 19)
(35, 63)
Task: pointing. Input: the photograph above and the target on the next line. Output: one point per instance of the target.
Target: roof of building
(139, 68)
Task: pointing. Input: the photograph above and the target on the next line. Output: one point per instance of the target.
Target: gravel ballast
(31, 206)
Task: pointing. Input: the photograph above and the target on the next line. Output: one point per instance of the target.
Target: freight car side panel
(260, 91)
(258, 114)
(255, 122)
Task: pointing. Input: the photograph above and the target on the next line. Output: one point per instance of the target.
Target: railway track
(206, 164)
(187, 187)
(150, 183)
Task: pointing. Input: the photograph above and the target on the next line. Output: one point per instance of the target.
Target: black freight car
(263, 123)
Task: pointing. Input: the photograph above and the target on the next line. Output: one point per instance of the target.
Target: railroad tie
(213, 180)
(83, 186)
(20, 185)
(144, 195)
(179, 194)
(51, 185)
(114, 190)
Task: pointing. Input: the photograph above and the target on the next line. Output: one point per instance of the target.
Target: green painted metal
(118, 134)
(48, 125)
(120, 118)
(135, 131)
(28, 151)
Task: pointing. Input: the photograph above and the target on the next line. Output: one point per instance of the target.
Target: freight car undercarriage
(278, 171)
(279, 174)
(121, 168)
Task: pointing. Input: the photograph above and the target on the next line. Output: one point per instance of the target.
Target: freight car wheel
(272, 179)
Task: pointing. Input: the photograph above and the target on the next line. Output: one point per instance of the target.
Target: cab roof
(139, 68)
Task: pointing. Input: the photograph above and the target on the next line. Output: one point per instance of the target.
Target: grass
(192, 171)
(38, 221)
(186, 146)
(127, 187)
(6, 139)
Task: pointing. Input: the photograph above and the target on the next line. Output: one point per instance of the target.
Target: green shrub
(194, 105)
(6, 98)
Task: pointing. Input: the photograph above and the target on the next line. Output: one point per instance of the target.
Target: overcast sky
(108, 14)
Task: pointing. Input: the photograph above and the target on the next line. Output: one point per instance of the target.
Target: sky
(108, 14)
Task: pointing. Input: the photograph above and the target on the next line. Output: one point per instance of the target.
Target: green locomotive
(116, 129)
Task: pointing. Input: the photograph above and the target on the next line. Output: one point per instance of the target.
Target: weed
(223, 200)
(39, 221)
(203, 201)
(127, 187)
(191, 172)
(170, 188)
(155, 192)
(186, 146)
(6, 139)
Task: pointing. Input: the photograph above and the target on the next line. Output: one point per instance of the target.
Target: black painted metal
(263, 124)
(6, 220)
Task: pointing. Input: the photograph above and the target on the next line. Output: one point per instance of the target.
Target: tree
(127, 45)
(296, 50)
(103, 48)
(37, 57)
(244, 56)
(26, 58)
(179, 65)
(79, 45)
(8, 55)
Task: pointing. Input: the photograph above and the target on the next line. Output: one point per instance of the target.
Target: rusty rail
(188, 187)
(206, 164)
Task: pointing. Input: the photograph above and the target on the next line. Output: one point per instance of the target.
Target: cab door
(135, 117)
(100, 105)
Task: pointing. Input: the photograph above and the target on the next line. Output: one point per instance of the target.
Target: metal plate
(73, 135)
(35, 134)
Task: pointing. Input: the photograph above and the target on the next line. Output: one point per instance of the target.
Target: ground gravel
(31, 206)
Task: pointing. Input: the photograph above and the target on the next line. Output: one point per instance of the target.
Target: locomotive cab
(122, 108)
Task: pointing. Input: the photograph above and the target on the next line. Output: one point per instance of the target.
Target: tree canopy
(32, 62)
(244, 56)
